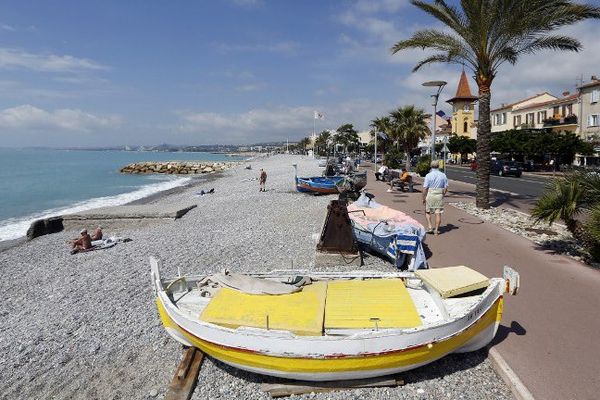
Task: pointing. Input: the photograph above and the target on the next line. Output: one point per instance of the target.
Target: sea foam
(14, 228)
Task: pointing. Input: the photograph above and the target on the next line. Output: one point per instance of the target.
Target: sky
(103, 73)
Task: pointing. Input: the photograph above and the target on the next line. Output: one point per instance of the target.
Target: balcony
(558, 121)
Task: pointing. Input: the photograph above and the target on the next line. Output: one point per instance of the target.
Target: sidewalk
(550, 332)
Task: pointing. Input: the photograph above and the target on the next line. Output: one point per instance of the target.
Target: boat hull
(317, 185)
(304, 361)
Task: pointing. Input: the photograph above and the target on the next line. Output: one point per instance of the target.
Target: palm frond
(563, 199)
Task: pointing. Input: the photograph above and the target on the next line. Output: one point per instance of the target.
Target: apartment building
(519, 114)
(590, 110)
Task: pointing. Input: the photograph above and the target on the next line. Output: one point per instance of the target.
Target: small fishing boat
(318, 184)
(388, 232)
(332, 326)
(330, 184)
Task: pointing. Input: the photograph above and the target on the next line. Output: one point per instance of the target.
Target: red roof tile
(463, 92)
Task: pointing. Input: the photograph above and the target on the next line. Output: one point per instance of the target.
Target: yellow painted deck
(300, 312)
(453, 281)
(355, 304)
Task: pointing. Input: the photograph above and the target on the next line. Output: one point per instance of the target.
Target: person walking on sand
(435, 188)
(262, 180)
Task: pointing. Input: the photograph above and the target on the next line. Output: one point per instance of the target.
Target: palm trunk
(482, 188)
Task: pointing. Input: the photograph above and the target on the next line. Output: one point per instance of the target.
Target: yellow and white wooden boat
(333, 326)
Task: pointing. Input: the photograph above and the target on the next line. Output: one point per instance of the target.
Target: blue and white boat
(388, 232)
(318, 184)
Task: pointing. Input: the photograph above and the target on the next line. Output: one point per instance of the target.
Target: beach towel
(103, 244)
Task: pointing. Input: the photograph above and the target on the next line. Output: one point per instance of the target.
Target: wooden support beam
(301, 387)
(186, 377)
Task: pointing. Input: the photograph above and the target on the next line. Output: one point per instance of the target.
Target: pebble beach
(85, 326)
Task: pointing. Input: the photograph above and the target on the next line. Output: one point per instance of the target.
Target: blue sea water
(37, 183)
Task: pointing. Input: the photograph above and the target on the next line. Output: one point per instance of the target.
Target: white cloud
(7, 27)
(15, 58)
(276, 123)
(29, 118)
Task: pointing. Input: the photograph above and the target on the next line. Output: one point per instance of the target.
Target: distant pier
(176, 167)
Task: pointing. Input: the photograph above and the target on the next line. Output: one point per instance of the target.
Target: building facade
(590, 110)
(515, 115)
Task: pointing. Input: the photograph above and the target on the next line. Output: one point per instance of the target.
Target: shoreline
(195, 181)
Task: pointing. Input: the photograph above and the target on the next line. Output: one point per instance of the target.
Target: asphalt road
(527, 186)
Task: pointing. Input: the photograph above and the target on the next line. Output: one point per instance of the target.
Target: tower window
(465, 127)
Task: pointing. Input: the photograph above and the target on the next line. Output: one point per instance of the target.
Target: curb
(516, 386)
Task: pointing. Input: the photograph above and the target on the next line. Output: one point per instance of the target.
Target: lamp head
(435, 83)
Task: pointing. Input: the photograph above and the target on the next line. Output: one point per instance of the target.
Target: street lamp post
(440, 85)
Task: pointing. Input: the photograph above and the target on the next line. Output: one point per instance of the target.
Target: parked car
(505, 168)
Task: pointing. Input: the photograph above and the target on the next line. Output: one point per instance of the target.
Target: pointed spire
(463, 92)
(463, 89)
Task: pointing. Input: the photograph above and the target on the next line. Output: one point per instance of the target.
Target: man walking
(262, 180)
(435, 188)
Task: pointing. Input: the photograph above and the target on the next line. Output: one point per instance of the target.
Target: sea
(39, 183)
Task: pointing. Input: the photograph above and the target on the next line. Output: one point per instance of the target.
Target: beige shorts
(434, 202)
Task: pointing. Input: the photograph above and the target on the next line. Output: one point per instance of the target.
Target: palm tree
(484, 34)
(566, 199)
(409, 125)
(347, 136)
(381, 125)
(303, 143)
(323, 140)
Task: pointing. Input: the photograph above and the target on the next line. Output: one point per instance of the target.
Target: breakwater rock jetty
(176, 167)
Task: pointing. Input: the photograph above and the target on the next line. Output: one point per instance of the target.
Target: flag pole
(375, 156)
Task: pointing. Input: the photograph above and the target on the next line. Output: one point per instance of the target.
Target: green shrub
(423, 165)
(393, 159)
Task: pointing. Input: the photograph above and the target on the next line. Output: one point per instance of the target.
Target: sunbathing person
(83, 243)
(97, 235)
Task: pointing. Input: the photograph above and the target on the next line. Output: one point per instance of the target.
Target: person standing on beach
(435, 188)
(262, 180)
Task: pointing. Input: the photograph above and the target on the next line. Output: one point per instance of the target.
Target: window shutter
(590, 120)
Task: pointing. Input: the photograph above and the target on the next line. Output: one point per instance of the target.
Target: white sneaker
(389, 190)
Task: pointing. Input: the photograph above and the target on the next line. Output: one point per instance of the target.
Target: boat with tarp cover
(388, 232)
(332, 326)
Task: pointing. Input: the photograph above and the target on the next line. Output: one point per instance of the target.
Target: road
(527, 185)
(519, 193)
